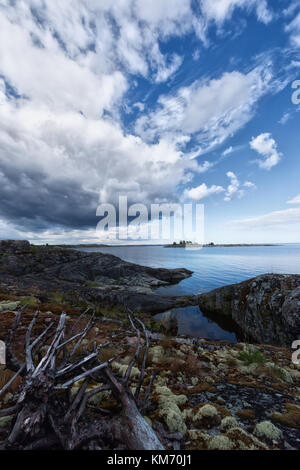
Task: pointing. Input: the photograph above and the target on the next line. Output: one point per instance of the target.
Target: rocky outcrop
(14, 246)
(267, 308)
(96, 277)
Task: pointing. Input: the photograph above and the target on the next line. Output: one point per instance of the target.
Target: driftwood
(46, 414)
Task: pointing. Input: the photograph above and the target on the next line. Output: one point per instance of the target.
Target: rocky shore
(267, 308)
(208, 395)
(93, 277)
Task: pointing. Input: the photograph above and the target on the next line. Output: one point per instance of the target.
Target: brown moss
(291, 418)
(5, 376)
(231, 362)
(242, 381)
(246, 415)
(243, 440)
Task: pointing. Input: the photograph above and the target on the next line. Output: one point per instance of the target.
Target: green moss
(155, 326)
(116, 312)
(30, 301)
(252, 357)
(57, 297)
(93, 284)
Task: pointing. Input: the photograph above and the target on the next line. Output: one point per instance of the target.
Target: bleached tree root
(48, 416)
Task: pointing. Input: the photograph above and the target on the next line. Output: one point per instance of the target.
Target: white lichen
(220, 443)
(268, 430)
(228, 423)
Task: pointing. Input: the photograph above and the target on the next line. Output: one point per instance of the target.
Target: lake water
(212, 267)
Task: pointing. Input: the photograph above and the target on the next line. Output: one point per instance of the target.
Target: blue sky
(162, 100)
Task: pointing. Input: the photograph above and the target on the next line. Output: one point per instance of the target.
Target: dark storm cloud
(32, 202)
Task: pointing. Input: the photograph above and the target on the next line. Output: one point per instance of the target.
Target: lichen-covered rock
(267, 430)
(266, 308)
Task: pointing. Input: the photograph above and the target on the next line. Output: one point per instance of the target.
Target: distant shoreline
(193, 245)
(229, 245)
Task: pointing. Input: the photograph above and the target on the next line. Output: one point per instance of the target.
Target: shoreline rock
(96, 277)
(267, 307)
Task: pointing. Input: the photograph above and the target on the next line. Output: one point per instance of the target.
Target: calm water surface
(212, 268)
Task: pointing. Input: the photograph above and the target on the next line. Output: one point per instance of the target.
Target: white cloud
(234, 188)
(167, 70)
(295, 200)
(279, 219)
(266, 146)
(202, 191)
(211, 111)
(293, 28)
(249, 184)
(140, 106)
(222, 10)
(285, 118)
(203, 167)
(227, 151)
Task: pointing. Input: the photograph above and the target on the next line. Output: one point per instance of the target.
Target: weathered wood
(46, 414)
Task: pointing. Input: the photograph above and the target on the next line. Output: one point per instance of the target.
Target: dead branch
(47, 414)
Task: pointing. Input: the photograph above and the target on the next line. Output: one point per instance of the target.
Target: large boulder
(267, 308)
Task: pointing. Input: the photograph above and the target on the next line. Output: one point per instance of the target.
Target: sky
(178, 101)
